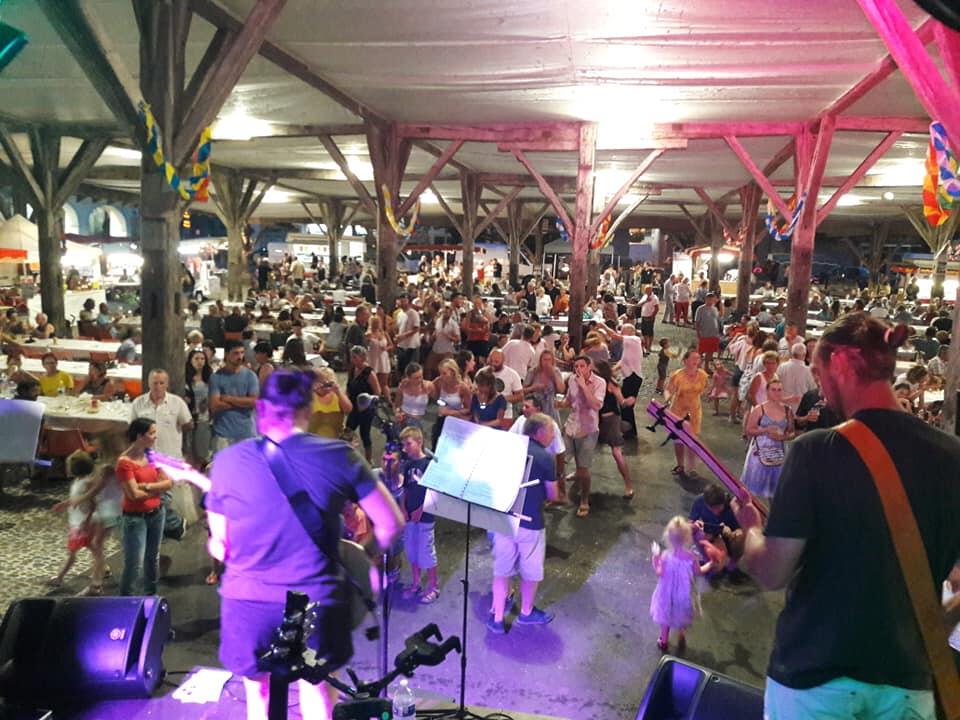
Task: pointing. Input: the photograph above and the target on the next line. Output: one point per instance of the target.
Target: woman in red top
(142, 523)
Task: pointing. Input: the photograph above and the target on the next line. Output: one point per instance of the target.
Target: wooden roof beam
(220, 72)
(551, 136)
(214, 13)
(907, 47)
(548, 192)
(89, 43)
(856, 175)
(885, 68)
(445, 157)
(358, 187)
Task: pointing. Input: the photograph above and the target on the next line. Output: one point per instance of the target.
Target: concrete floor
(595, 659)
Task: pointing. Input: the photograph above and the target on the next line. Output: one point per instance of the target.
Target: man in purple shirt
(255, 532)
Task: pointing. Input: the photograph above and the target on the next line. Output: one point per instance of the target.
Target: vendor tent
(18, 239)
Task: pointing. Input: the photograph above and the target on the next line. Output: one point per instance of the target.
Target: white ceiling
(623, 63)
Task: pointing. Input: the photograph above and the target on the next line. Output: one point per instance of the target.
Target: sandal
(628, 495)
(53, 582)
(583, 511)
(430, 596)
(677, 470)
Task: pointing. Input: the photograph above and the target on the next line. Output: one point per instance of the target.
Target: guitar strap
(308, 513)
(914, 564)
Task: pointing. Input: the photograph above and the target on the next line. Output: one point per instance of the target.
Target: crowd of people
(501, 359)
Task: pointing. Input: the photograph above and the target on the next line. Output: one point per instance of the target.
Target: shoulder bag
(914, 564)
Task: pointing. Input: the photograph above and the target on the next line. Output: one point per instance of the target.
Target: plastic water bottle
(404, 702)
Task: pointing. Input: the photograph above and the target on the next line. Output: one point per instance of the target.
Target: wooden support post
(389, 154)
(235, 206)
(811, 161)
(470, 191)
(580, 232)
(716, 245)
(953, 378)
(750, 208)
(514, 230)
(333, 216)
(47, 188)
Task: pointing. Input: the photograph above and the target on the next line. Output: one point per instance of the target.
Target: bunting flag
(197, 186)
(948, 190)
(602, 238)
(783, 231)
(933, 211)
(402, 231)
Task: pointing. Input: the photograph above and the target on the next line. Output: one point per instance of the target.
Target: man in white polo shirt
(172, 417)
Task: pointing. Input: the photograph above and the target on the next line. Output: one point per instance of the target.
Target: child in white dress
(675, 598)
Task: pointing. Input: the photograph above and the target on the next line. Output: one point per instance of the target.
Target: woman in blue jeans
(142, 523)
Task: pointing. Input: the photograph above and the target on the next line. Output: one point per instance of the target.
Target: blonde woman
(330, 406)
(452, 395)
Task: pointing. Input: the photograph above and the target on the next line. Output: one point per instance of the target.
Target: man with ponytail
(848, 643)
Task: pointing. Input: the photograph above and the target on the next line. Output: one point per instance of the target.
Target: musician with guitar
(864, 531)
(263, 492)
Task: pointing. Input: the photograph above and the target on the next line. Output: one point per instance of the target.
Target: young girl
(675, 597)
(720, 385)
(84, 530)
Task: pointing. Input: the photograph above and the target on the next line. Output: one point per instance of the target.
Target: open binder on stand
(478, 476)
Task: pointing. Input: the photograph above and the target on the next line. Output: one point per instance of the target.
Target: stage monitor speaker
(97, 647)
(680, 690)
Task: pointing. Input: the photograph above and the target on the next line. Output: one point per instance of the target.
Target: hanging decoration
(782, 231)
(935, 213)
(602, 238)
(561, 228)
(401, 230)
(197, 186)
(948, 192)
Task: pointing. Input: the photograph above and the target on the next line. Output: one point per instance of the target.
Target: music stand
(478, 477)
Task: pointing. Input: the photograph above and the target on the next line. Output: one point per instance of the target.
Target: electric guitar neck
(678, 429)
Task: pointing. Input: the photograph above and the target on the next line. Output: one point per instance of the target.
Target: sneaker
(536, 617)
(498, 628)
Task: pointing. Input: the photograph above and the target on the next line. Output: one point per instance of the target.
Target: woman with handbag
(769, 426)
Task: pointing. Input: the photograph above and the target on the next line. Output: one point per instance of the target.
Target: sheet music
(478, 464)
(21, 420)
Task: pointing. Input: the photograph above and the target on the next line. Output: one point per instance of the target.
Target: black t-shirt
(847, 611)
(269, 550)
(413, 492)
(828, 418)
(234, 323)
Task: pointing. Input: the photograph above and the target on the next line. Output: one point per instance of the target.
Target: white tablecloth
(70, 412)
(79, 349)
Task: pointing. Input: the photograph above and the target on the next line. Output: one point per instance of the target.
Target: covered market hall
(406, 206)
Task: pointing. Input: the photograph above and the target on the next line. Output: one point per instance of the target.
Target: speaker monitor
(107, 647)
(680, 690)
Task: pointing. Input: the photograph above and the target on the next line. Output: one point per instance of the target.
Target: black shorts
(646, 326)
(247, 629)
